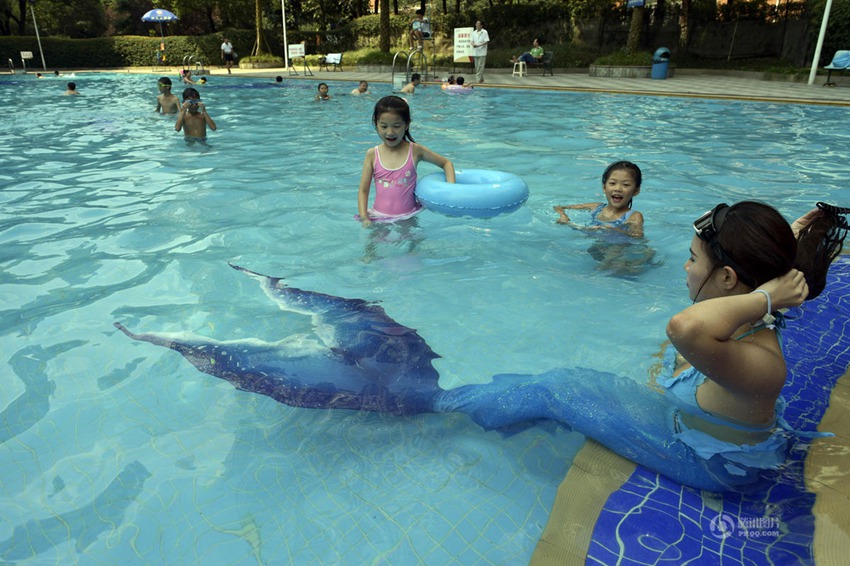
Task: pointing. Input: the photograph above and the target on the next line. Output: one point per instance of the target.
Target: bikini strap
(778, 323)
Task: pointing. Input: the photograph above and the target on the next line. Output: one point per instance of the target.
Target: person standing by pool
(480, 39)
(392, 165)
(167, 102)
(193, 118)
(620, 184)
(227, 54)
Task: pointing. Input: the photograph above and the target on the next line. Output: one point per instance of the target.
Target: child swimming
(193, 118)
(323, 92)
(619, 247)
(392, 165)
(167, 102)
(620, 184)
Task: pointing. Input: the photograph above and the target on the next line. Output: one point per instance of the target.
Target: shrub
(623, 58)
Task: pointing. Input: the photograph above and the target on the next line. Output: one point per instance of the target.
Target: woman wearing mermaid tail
(717, 423)
(714, 424)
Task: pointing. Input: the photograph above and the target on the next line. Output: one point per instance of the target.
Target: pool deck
(692, 83)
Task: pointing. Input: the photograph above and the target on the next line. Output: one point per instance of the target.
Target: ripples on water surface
(120, 452)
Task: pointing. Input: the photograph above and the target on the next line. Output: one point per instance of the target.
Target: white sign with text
(463, 45)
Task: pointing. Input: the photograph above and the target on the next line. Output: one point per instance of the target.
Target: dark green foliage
(837, 31)
(623, 58)
(121, 51)
(376, 57)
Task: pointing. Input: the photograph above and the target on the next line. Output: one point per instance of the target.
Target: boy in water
(167, 102)
(72, 90)
(193, 118)
(362, 88)
(410, 87)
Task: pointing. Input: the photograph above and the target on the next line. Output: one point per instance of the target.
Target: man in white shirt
(227, 54)
(480, 38)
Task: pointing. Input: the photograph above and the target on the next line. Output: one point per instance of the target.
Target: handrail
(407, 71)
(411, 65)
(11, 66)
(190, 60)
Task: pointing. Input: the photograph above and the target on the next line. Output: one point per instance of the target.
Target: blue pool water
(113, 451)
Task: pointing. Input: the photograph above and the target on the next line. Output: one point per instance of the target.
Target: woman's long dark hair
(761, 241)
(818, 244)
(396, 105)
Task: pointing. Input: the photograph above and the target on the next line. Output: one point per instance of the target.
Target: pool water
(113, 451)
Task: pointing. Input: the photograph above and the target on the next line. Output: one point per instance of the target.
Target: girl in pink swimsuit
(392, 165)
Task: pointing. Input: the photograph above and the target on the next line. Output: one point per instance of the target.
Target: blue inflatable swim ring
(477, 192)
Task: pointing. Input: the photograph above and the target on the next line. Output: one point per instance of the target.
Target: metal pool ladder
(190, 60)
(416, 61)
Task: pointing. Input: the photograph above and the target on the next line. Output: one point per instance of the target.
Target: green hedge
(119, 51)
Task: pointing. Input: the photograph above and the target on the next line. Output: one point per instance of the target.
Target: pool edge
(825, 460)
(596, 473)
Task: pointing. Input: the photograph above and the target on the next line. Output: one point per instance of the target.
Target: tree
(384, 43)
(71, 18)
(635, 29)
(261, 47)
(684, 31)
(11, 11)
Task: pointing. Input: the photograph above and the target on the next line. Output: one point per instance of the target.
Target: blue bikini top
(618, 223)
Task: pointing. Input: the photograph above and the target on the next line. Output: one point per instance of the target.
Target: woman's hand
(789, 290)
(800, 224)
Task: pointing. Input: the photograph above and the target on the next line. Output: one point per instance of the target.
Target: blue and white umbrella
(159, 16)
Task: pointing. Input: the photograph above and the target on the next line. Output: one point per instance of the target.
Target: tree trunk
(384, 43)
(22, 21)
(208, 12)
(635, 29)
(684, 31)
(260, 46)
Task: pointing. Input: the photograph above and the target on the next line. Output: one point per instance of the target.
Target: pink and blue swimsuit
(394, 189)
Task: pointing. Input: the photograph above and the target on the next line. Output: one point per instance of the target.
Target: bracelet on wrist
(768, 319)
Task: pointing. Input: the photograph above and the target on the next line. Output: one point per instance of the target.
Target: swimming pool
(114, 451)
